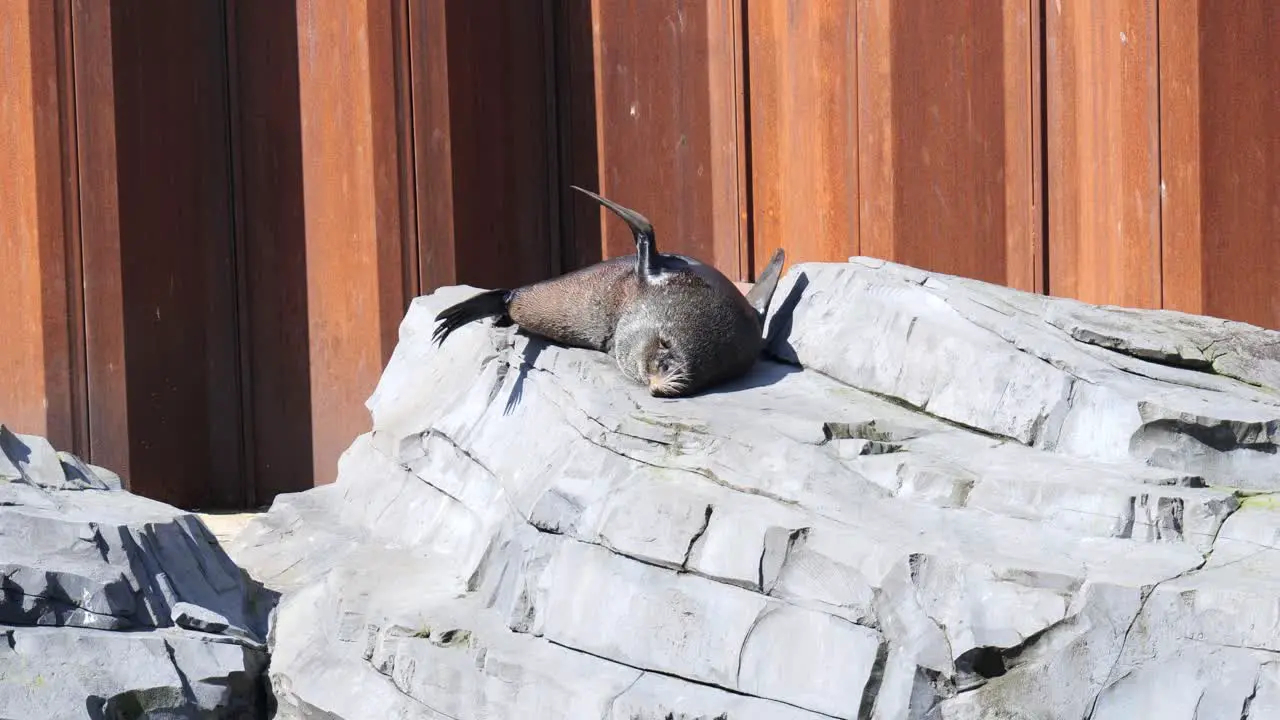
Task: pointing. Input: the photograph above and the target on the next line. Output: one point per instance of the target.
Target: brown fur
(580, 308)
(669, 321)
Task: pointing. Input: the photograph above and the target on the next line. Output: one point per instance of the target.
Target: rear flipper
(641, 229)
(762, 291)
(491, 303)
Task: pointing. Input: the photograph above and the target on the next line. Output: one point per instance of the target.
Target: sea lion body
(670, 322)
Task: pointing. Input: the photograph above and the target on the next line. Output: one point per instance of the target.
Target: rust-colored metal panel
(40, 392)
(1039, 160)
(803, 92)
(433, 144)
(575, 87)
(1220, 158)
(1103, 151)
(271, 247)
(107, 382)
(175, 252)
(402, 69)
(484, 140)
(946, 119)
(353, 205)
(667, 125)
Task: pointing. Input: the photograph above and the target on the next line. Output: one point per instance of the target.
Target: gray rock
(1052, 373)
(100, 592)
(935, 517)
(51, 672)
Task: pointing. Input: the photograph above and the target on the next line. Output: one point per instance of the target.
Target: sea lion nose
(658, 386)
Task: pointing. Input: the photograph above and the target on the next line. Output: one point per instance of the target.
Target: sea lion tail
(762, 292)
(491, 303)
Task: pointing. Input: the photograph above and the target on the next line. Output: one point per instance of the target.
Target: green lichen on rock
(1261, 501)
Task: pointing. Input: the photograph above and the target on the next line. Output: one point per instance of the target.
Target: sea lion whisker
(670, 382)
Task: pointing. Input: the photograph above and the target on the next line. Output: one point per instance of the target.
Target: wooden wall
(1220, 154)
(43, 355)
(218, 210)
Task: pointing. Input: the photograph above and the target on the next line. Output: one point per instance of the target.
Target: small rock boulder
(113, 605)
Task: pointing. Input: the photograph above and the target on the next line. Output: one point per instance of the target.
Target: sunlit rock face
(116, 606)
(936, 498)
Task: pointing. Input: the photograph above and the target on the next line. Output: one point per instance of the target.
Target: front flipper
(488, 304)
(641, 228)
(766, 283)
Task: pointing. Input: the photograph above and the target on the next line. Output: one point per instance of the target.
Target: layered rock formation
(115, 606)
(943, 500)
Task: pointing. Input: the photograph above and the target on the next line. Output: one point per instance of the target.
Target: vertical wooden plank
(500, 145)
(108, 391)
(272, 247)
(1182, 269)
(662, 139)
(176, 262)
(1220, 158)
(402, 66)
(804, 129)
(748, 268)
(433, 144)
(160, 334)
(40, 392)
(1039, 188)
(1023, 209)
(946, 162)
(1103, 142)
(876, 167)
(390, 196)
(352, 202)
(726, 119)
(577, 150)
(483, 157)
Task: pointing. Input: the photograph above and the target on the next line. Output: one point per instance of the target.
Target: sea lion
(671, 323)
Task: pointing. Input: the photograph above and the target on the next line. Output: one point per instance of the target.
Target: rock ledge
(943, 499)
(113, 605)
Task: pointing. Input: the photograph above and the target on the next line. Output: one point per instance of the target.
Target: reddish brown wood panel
(578, 156)
(803, 90)
(1103, 151)
(104, 329)
(433, 144)
(353, 206)
(272, 246)
(484, 142)
(945, 122)
(40, 392)
(667, 125)
(1220, 158)
(174, 265)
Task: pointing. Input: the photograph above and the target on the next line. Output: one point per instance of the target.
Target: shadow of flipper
(532, 349)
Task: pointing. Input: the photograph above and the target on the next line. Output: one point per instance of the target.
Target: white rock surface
(113, 605)
(957, 509)
(1051, 373)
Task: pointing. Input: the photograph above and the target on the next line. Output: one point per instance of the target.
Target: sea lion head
(666, 371)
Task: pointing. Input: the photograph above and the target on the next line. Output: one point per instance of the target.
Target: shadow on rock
(765, 373)
(532, 349)
(260, 602)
